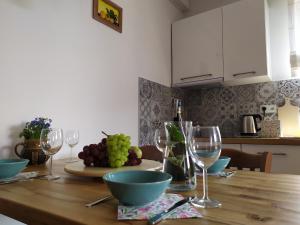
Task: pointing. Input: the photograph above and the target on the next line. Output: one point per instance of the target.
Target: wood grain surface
(247, 198)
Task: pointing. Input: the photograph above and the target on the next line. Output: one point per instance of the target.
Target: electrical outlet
(269, 109)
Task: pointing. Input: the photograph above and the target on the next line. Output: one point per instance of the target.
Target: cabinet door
(197, 48)
(244, 36)
(285, 158)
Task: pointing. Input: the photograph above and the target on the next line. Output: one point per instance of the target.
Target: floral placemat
(159, 205)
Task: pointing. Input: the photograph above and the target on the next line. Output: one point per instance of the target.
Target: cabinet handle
(204, 75)
(239, 74)
(278, 154)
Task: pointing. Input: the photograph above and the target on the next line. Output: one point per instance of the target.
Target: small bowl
(11, 167)
(219, 165)
(137, 187)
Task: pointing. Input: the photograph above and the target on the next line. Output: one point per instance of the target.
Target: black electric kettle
(250, 124)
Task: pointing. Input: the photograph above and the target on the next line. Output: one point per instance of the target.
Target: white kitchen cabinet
(241, 43)
(245, 40)
(197, 49)
(251, 28)
(285, 158)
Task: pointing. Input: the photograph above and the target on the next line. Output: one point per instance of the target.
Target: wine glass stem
(71, 154)
(205, 187)
(50, 171)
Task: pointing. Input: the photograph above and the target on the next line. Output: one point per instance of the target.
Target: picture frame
(108, 13)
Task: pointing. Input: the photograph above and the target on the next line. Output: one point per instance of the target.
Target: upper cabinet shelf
(240, 43)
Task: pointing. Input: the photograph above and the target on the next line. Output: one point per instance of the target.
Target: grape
(103, 141)
(86, 150)
(81, 155)
(88, 161)
(96, 153)
(118, 146)
(137, 151)
(133, 159)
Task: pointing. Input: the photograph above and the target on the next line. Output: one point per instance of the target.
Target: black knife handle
(160, 216)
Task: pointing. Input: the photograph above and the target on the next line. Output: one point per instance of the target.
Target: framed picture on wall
(108, 13)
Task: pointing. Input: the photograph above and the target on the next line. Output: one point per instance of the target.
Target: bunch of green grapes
(117, 148)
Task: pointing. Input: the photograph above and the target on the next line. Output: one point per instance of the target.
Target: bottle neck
(178, 114)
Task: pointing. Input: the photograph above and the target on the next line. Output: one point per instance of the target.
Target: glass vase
(176, 158)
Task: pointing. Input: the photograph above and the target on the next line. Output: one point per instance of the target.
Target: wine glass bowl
(205, 149)
(51, 141)
(160, 139)
(72, 139)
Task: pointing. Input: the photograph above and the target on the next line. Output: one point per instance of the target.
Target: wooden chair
(151, 152)
(244, 160)
(238, 159)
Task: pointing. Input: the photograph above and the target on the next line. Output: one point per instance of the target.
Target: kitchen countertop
(261, 141)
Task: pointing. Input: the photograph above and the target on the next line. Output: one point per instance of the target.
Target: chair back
(152, 153)
(242, 160)
(239, 159)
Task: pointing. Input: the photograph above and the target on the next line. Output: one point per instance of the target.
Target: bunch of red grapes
(97, 155)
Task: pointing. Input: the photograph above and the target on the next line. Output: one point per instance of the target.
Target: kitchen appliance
(251, 124)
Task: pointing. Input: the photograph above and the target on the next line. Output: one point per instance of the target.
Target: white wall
(56, 61)
(197, 6)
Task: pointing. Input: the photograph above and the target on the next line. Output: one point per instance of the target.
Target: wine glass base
(181, 187)
(71, 160)
(50, 177)
(206, 203)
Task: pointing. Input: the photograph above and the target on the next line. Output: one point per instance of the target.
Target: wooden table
(247, 198)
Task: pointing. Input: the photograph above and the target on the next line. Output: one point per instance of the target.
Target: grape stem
(104, 133)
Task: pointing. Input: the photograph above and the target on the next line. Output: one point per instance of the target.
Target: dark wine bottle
(178, 116)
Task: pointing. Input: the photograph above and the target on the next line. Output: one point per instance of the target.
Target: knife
(107, 197)
(160, 216)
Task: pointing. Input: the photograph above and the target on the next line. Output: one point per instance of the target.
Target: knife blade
(107, 197)
(160, 216)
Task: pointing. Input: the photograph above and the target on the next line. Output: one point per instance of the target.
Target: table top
(247, 198)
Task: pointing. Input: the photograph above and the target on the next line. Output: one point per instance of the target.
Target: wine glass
(160, 139)
(205, 149)
(72, 139)
(51, 141)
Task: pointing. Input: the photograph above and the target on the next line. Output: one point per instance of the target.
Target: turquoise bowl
(137, 187)
(11, 167)
(219, 165)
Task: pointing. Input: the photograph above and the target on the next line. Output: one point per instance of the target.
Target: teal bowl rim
(223, 157)
(132, 183)
(13, 161)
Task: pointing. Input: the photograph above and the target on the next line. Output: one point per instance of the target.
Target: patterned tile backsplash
(155, 107)
(220, 106)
